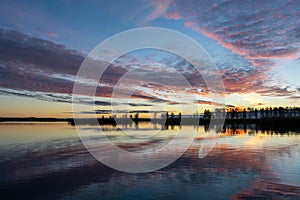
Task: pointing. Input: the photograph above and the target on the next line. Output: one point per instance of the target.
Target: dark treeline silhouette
(267, 117)
(254, 113)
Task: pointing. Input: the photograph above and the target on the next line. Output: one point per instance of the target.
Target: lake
(49, 161)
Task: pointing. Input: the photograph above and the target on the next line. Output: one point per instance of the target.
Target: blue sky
(255, 45)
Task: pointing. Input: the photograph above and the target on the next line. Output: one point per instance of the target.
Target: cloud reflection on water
(235, 168)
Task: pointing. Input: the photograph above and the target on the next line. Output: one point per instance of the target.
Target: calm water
(48, 161)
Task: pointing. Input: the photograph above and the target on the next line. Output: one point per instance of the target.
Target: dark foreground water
(48, 161)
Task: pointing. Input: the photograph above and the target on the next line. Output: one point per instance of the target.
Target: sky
(254, 44)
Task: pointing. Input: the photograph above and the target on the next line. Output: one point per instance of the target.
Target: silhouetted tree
(281, 111)
(207, 114)
(256, 113)
(288, 111)
(275, 112)
(232, 113)
(136, 116)
(267, 112)
(172, 115)
(262, 112)
(250, 112)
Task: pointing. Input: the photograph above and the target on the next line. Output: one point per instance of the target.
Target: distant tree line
(253, 113)
(234, 113)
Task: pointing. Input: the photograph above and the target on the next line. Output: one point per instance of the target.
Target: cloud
(261, 32)
(255, 80)
(52, 34)
(208, 103)
(138, 104)
(173, 15)
(230, 106)
(103, 111)
(139, 111)
(38, 65)
(159, 8)
(259, 104)
(28, 63)
(150, 98)
(44, 70)
(55, 97)
(256, 29)
(239, 76)
(37, 52)
(294, 97)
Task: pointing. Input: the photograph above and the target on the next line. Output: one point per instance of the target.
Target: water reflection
(49, 161)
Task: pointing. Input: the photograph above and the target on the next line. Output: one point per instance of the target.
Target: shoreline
(272, 121)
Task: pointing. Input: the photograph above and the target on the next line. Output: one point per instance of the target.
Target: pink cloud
(190, 24)
(249, 30)
(220, 40)
(160, 7)
(173, 15)
(52, 34)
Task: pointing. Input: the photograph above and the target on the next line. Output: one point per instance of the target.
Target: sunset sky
(255, 45)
